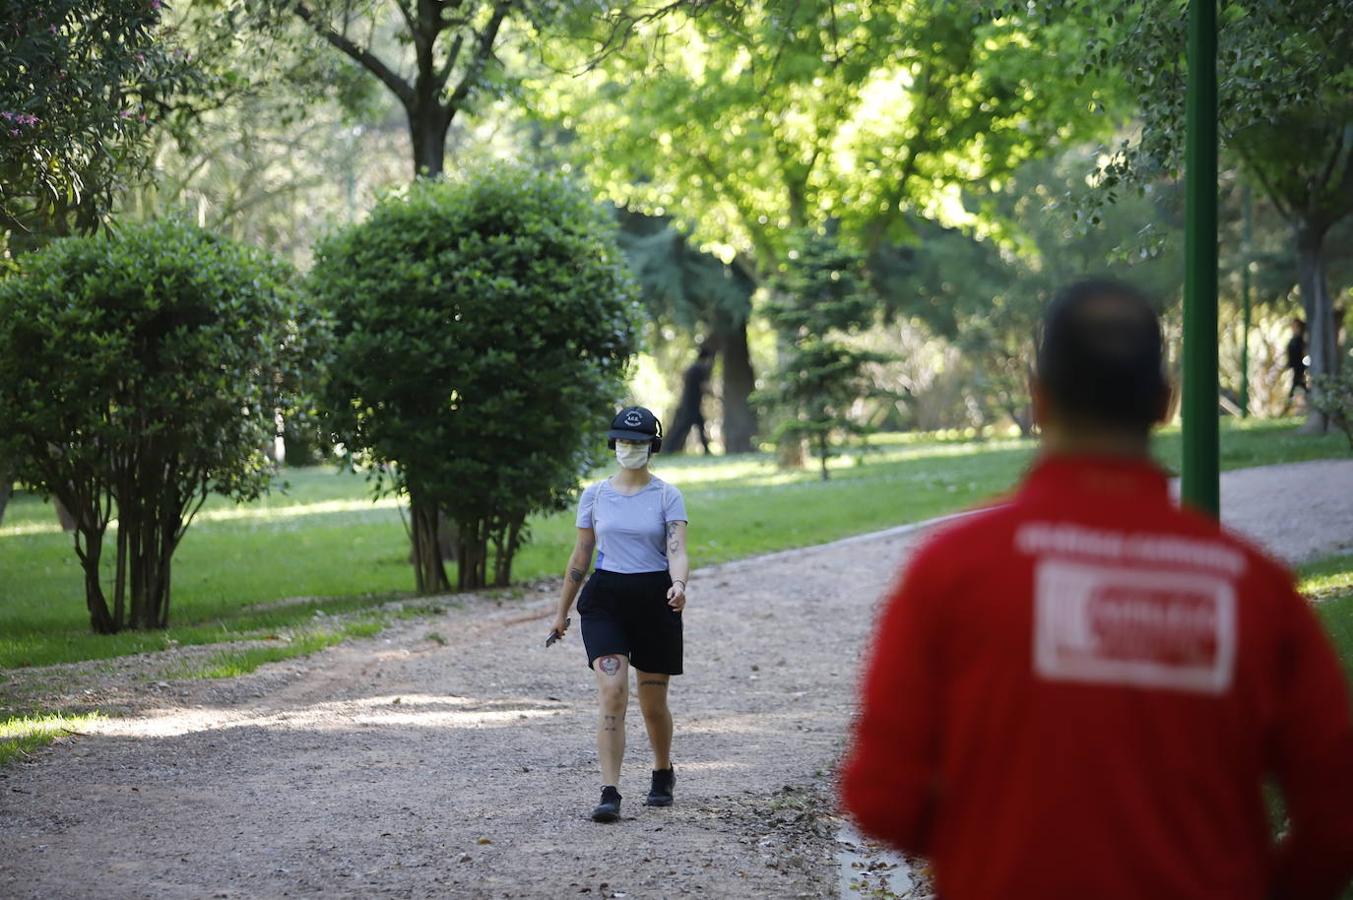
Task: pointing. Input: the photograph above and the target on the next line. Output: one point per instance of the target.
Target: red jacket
(1079, 695)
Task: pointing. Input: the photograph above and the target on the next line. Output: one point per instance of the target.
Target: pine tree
(820, 299)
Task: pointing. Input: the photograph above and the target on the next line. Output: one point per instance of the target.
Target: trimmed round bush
(482, 329)
(139, 372)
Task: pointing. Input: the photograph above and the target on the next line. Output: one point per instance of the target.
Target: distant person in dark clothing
(1296, 358)
(694, 383)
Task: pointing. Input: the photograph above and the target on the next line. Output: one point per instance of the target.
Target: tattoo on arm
(673, 539)
(575, 576)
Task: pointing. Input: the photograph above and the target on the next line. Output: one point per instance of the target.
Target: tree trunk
(120, 577)
(822, 449)
(505, 547)
(95, 602)
(446, 532)
(63, 515)
(6, 488)
(427, 130)
(472, 557)
(150, 550)
(429, 573)
(1023, 417)
(1321, 340)
(739, 380)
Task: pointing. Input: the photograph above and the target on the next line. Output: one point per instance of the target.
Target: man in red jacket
(1079, 694)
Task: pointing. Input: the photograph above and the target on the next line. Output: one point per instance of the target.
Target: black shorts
(628, 615)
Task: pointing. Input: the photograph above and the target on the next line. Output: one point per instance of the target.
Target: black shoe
(660, 794)
(608, 810)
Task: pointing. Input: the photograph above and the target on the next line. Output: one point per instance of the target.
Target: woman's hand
(676, 595)
(560, 626)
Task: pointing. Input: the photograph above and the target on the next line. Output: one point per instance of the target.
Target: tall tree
(483, 325)
(82, 85)
(789, 116)
(140, 372)
(692, 289)
(822, 298)
(288, 141)
(749, 125)
(987, 294)
(1285, 82)
(438, 58)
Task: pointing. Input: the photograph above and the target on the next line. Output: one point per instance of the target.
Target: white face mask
(631, 456)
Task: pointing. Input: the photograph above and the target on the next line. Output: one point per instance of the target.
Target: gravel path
(1299, 511)
(402, 766)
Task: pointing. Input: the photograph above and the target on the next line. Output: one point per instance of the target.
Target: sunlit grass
(324, 539)
(1330, 582)
(1328, 577)
(21, 735)
(231, 662)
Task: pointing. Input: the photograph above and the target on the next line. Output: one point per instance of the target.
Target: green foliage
(81, 86)
(1333, 396)
(820, 299)
(483, 328)
(282, 145)
(746, 124)
(1279, 66)
(1285, 106)
(436, 61)
(138, 373)
(987, 294)
(681, 283)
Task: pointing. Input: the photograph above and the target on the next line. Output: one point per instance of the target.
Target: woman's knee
(656, 711)
(614, 698)
(653, 698)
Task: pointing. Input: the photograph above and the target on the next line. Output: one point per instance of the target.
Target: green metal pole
(1200, 486)
(1247, 202)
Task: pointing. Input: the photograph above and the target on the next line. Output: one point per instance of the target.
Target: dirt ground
(402, 766)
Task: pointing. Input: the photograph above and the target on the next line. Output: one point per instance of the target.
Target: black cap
(634, 423)
(1101, 357)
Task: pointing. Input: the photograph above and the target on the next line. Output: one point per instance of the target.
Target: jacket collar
(1124, 477)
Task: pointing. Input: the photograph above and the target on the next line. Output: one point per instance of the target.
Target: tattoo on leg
(575, 575)
(609, 664)
(653, 682)
(609, 724)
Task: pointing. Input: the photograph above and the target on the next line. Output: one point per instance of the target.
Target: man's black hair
(1101, 355)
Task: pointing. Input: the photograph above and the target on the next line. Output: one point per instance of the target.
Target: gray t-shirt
(631, 529)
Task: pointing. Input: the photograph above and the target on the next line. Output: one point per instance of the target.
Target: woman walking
(631, 606)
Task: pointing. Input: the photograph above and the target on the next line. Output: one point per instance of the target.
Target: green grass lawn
(1330, 581)
(323, 538)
